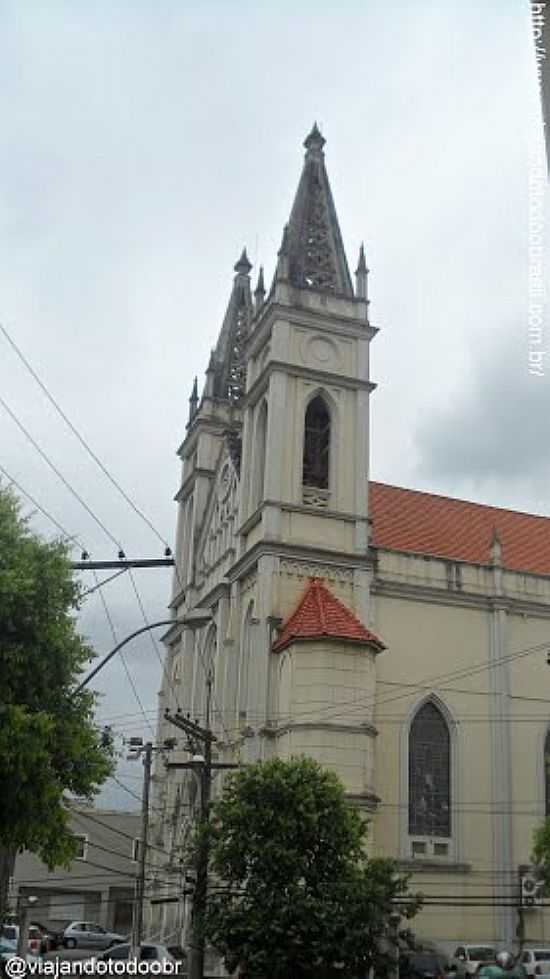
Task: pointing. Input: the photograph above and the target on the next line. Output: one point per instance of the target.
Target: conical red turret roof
(318, 615)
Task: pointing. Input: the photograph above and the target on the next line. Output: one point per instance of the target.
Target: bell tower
(306, 408)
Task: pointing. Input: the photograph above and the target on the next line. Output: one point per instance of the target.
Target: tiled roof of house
(320, 615)
(410, 520)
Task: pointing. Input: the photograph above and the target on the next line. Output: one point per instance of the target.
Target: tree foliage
(541, 852)
(48, 742)
(296, 892)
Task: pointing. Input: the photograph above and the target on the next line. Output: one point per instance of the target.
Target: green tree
(541, 852)
(296, 894)
(48, 742)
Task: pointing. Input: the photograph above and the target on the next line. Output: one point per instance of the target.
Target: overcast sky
(144, 144)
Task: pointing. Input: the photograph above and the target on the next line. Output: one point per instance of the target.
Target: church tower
(273, 521)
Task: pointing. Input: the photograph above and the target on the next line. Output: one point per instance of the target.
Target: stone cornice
(201, 423)
(188, 484)
(461, 598)
(434, 866)
(249, 560)
(364, 728)
(302, 316)
(310, 511)
(310, 373)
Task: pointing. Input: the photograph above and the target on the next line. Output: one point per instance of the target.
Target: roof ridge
(317, 587)
(320, 614)
(458, 499)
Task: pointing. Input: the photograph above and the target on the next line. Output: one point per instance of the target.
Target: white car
(148, 952)
(86, 934)
(467, 958)
(536, 961)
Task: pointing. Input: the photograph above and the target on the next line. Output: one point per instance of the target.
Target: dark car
(50, 939)
(422, 965)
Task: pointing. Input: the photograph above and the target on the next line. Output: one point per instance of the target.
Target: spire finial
(194, 400)
(361, 274)
(314, 141)
(362, 264)
(259, 291)
(243, 266)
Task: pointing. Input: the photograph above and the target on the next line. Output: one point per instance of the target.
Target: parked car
(51, 939)
(536, 961)
(8, 948)
(86, 934)
(422, 965)
(148, 952)
(468, 958)
(492, 970)
(11, 933)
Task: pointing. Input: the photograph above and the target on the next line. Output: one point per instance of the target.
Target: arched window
(258, 461)
(244, 664)
(315, 470)
(206, 667)
(547, 773)
(429, 774)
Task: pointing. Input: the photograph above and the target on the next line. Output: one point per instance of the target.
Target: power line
(59, 474)
(69, 537)
(124, 663)
(81, 439)
(152, 638)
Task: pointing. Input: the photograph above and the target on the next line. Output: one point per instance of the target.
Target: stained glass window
(429, 774)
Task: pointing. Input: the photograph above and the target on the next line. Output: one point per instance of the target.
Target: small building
(98, 886)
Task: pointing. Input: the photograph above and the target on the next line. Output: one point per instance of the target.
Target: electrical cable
(81, 439)
(66, 535)
(123, 658)
(79, 814)
(59, 474)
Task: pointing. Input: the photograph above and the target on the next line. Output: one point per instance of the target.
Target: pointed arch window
(316, 458)
(258, 462)
(429, 774)
(547, 773)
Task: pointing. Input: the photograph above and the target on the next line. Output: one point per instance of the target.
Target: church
(398, 637)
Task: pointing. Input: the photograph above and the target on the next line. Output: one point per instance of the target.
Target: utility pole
(138, 749)
(140, 883)
(203, 766)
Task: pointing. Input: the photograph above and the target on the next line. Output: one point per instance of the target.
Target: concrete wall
(97, 888)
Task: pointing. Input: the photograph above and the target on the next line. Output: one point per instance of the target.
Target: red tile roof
(409, 520)
(318, 615)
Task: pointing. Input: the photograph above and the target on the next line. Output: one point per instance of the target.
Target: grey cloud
(496, 424)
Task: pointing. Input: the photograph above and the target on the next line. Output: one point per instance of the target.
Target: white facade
(252, 532)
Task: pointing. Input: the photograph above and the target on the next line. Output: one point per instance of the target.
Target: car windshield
(10, 932)
(481, 953)
(542, 955)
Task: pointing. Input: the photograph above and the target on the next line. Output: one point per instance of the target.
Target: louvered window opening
(316, 445)
(429, 774)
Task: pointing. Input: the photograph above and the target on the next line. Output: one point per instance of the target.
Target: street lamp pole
(191, 620)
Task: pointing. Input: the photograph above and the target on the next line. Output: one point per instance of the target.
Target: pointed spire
(259, 291)
(314, 141)
(210, 376)
(243, 266)
(361, 274)
(281, 272)
(194, 400)
(312, 253)
(226, 375)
